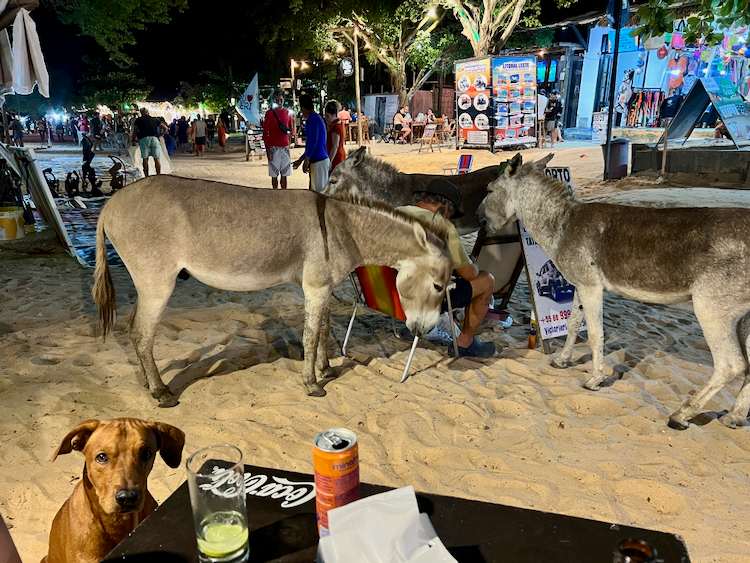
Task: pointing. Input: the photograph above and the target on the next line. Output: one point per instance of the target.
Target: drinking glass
(217, 495)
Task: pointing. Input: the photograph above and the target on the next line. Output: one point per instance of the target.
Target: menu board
(473, 101)
(514, 96)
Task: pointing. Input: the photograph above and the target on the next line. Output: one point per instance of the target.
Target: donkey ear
(76, 439)
(171, 440)
(514, 165)
(357, 156)
(421, 235)
(541, 164)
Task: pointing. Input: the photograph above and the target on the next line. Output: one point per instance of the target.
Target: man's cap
(449, 191)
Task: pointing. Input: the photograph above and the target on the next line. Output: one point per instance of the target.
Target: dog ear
(171, 440)
(76, 439)
(357, 156)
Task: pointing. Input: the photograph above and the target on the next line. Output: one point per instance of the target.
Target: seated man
(440, 202)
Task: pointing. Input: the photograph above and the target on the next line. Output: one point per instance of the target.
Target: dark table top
(284, 529)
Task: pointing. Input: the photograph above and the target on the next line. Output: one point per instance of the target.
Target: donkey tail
(103, 291)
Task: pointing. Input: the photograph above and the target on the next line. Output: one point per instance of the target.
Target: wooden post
(356, 87)
(664, 155)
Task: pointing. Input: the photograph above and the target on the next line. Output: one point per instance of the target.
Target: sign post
(356, 87)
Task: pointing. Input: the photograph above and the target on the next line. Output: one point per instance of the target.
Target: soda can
(336, 465)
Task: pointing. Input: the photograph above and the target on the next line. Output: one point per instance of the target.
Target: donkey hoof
(560, 363)
(734, 421)
(592, 385)
(315, 390)
(678, 422)
(165, 398)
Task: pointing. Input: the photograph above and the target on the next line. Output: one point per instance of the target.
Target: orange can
(336, 465)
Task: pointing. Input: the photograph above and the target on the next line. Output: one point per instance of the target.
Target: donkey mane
(436, 229)
(378, 165)
(556, 187)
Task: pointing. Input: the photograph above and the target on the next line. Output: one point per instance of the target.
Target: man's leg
(157, 165)
(283, 182)
(482, 287)
(145, 167)
(275, 182)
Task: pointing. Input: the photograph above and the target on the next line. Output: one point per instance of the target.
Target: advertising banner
(514, 95)
(733, 110)
(473, 102)
(553, 294)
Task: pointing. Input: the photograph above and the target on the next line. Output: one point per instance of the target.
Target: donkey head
(346, 177)
(498, 208)
(422, 281)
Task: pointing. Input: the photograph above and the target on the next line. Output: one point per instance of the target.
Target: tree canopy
(113, 23)
(705, 20)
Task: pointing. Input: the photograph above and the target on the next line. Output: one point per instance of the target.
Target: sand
(510, 429)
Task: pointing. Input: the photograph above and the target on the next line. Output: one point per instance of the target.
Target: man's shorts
(319, 175)
(460, 295)
(280, 163)
(150, 147)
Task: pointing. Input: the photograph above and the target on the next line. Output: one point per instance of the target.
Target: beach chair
(429, 138)
(465, 162)
(375, 287)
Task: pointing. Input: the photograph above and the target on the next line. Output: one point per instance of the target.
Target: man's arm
(468, 272)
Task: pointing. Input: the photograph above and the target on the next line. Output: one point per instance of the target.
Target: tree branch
(513, 22)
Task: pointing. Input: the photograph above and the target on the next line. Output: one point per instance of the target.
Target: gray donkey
(647, 254)
(246, 239)
(372, 178)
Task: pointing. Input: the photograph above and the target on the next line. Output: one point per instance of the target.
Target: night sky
(215, 35)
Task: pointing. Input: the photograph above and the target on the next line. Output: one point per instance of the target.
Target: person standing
(182, 133)
(146, 133)
(551, 118)
(315, 156)
(199, 135)
(541, 107)
(16, 128)
(277, 126)
(210, 131)
(222, 134)
(97, 130)
(335, 139)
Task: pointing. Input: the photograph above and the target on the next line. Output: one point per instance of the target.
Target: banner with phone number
(553, 294)
(473, 101)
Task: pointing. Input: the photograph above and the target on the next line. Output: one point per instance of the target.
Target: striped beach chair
(376, 289)
(465, 162)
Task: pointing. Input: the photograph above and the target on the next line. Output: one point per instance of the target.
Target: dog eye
(146, 454)
(438, 287)
(102, 458)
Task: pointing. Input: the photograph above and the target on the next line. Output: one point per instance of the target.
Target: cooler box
(11, 223)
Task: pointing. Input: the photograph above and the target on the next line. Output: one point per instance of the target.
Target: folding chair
(465, 162)
(376, 288)
(429, 138)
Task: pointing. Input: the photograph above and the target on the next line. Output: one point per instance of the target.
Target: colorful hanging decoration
(707, 55)
(677, 68)
(678, 41)
(662, 52)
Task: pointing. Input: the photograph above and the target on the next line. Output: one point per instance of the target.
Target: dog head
(119, 456)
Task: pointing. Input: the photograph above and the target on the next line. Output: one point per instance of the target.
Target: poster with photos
(514, 96)
(473, 101)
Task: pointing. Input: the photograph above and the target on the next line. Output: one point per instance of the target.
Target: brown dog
(112, 496)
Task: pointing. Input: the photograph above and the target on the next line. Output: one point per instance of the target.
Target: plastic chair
(376, 289)
(465, 162)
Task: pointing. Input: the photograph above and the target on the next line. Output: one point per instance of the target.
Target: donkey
(653, 255)
(245, 239)
(372, 178)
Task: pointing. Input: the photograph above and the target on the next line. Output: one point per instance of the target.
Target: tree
(113, 23)
(704, 19)
(113, 89)
(488, 24)
(396, 39)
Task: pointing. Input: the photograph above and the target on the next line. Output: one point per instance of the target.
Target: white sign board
(553, 294)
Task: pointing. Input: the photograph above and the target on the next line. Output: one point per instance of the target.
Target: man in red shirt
(278, 125)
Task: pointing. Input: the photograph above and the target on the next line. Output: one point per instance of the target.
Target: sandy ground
(509, 430)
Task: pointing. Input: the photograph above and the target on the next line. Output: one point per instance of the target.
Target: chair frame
(359, 299)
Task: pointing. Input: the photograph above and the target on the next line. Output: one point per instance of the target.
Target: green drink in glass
(217, 496)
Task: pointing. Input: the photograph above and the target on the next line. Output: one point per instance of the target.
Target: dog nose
(127, 497)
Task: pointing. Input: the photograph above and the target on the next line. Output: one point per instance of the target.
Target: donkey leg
(592, 299)
(151, 304)
(564, 357)
(315, 304)
(719, 328)
(738, 415)
(322, 366)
